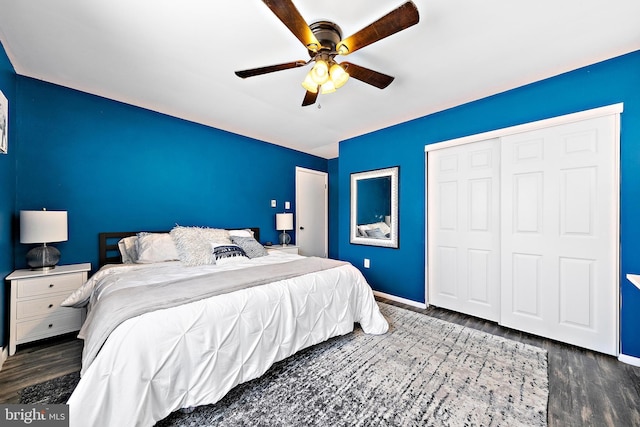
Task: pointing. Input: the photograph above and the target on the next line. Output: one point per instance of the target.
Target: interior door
(464, 228)
(559, 233)
(312, 212)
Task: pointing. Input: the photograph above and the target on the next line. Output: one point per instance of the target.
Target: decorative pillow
(362, 229)
(155, 247)
(376, 233)
(250, 246)
(241, 233)
(225, 254)
(383, 226)
(194, 243)
(128, 249)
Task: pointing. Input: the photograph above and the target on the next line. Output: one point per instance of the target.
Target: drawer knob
(51, 285)
(51, 325)
(50, 305)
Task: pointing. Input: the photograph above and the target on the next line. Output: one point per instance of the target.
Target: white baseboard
(3, 356)
(400, 299)
(629, 360)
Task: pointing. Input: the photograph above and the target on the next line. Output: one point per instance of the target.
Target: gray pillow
(376, 233)
(250, 246)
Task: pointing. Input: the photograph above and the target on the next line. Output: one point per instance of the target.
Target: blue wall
(7, 190)
(401, 272)
(115, 167)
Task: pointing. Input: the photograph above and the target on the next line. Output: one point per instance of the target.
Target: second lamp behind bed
(284, 222)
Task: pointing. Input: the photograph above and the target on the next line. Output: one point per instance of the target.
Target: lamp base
(43, 258)
(285, 239)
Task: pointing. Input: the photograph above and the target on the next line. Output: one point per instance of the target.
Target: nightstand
(35, 303)
(292, 249)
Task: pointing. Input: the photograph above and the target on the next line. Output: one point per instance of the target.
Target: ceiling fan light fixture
(342, 49)
(320, 72)
(328, 87)
(309, 84)
(338, 75)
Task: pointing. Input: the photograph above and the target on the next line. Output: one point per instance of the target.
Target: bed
(163, 336)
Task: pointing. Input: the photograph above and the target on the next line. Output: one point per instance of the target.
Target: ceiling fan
(323, 40)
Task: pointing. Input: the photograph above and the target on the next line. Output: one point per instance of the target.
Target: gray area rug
(424, 372)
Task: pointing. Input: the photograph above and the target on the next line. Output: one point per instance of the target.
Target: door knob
(301, 228)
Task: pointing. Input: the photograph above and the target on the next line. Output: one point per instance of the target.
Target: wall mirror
(374, 207)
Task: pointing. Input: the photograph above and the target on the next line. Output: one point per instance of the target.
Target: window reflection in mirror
(374, 207)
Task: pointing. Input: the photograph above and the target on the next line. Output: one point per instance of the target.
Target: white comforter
(195, 353)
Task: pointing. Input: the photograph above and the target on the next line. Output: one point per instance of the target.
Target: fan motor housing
(328, 34)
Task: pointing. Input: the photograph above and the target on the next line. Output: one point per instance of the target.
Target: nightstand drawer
(49, 326)
(49, 284)
(41, 306)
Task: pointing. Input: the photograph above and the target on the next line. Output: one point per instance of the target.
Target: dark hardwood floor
(585, 388)
(37, 362)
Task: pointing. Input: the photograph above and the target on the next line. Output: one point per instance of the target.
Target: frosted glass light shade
(328, 87)
(320, 72)
(43, 226)
(309, 84)
(338, 75)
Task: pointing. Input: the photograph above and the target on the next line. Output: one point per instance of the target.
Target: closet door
(559, 233)
(463, 229)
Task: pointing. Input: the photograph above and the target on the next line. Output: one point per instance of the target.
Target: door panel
(311, 212)
(463, 229)
(559, 212)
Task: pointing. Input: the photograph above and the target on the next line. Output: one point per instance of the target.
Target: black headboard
(108, 252)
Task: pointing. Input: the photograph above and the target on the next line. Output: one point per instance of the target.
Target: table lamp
(43, 227)
(284, 222)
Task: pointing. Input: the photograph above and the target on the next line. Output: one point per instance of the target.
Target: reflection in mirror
(374, 207)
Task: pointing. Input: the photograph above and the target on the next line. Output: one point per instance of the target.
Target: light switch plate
(273, 203)
(287, 205)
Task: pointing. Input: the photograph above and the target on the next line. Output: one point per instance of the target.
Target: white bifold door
(559, 233)
(529, 238)
(464, 228)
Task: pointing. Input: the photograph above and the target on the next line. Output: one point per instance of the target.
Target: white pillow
(128, 249)
(194, 243)
(156, 247)
(363, 229)
(241, 233)
(384, 228)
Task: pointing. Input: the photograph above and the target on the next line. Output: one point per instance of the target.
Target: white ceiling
(179, 56)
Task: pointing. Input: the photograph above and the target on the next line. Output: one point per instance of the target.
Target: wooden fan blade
(366, 75)
(310, 98)
(397, 20)
(286, 11)
(269, 69)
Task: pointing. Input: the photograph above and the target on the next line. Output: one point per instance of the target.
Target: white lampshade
(284, 221)
(43, 226)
